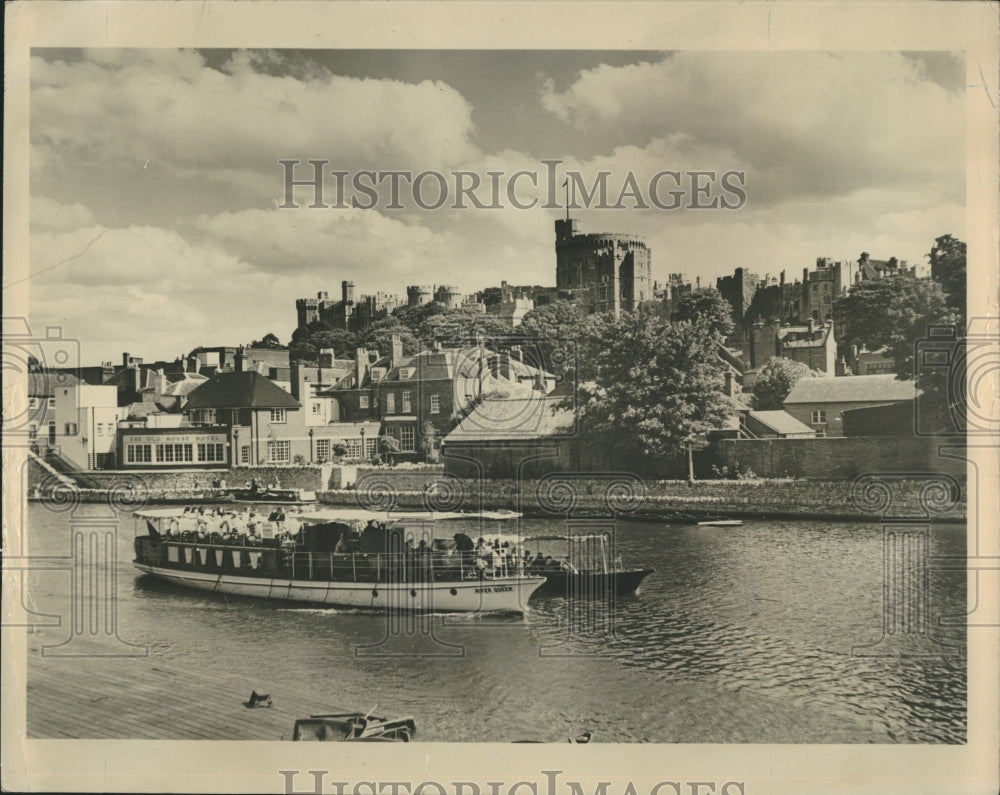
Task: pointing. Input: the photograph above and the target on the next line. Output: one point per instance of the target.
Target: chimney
(396, 357)
(812, 325)
(517, 353)
(360, 366)
(162, 386)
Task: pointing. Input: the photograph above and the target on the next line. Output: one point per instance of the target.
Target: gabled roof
(781, 422)
(851, 389)
(513, 419)
(184, 385)
(240, 391)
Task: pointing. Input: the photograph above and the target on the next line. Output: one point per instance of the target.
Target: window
(279, 451)
(353, 448)
(183, 452)
(323, 449)
(277, 415)
(820, 432)
(212, 452)
(138, 453)
(71, 429)
(406, 444)
(32, 431)
(317, 407)
(245, 454)
(407, 408)
(435, 404)
(818, 416)
(404, 372)
(164, 452)
(363, 402)
(206, 416)
(370, 447)
(52, 402)
(390, 403)
(100, 429)
(378, 373)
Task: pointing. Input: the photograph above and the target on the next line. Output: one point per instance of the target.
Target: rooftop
(514, 419)
(851, 389)
(781, 422)
(240, 391)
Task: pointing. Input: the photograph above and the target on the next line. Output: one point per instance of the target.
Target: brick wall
(844, 457)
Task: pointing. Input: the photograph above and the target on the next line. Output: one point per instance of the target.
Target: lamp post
(363, 453)
(311, 432)
(236, 447)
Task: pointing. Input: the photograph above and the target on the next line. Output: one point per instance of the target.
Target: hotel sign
(174, 438)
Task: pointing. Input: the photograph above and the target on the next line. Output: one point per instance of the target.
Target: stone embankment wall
(937, 496)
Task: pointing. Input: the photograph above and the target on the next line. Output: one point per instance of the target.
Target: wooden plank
(118, 697)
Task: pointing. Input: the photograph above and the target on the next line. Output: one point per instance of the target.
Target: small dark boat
(347, 727)
(579, 739)
(589, 571)
(271, 495)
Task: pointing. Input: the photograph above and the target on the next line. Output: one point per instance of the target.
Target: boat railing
(270, 559)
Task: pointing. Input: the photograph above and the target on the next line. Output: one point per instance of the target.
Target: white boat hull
(506, 594)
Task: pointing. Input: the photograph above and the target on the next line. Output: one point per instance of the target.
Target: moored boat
(721, 523)
(325, 558)
(353, 727)
(270, 494)
(590, 570)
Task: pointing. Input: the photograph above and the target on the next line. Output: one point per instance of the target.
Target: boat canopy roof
(332, 514)
(361, 515)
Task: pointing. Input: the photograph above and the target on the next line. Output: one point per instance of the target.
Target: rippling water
(742, 634)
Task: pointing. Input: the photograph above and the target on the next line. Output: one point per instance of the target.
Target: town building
(513, 438)
(821, 402)
(75, 422)
(416, 399)
(612, 270)
(814, 344)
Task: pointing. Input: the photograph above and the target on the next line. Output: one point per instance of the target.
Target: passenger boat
(325, 557)
(589, 570)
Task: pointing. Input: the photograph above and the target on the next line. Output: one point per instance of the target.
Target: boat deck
(146, 699)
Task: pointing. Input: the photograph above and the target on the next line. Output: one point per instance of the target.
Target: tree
(378, 336)
(707, 307)
(269, 340)
(888, 312)
(429, 444)
(775, 380)
(948, 269)
(389, 445)
(658, 388)
(554, 334)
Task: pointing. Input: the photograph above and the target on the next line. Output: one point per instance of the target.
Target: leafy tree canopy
(948, 269)
(658, 386)
(707, 307)
(776, 379)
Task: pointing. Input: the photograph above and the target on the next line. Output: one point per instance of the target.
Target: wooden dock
(141, 698)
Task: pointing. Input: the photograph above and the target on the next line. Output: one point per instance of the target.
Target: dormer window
(405, 372)
(378, 373)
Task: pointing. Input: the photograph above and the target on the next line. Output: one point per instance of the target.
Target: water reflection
(741, 635)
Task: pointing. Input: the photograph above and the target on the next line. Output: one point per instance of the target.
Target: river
(742, 635)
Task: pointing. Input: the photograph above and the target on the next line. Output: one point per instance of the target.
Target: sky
(156, 188)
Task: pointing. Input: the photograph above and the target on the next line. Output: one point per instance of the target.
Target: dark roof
(513, 418)
(851, 389)
(240, 391)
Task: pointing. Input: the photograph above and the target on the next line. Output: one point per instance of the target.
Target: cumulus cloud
(808, 123)
(118, 106)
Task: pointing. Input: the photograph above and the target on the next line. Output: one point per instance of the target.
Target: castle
(608, 272)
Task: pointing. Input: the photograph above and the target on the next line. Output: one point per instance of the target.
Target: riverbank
(872, 499)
